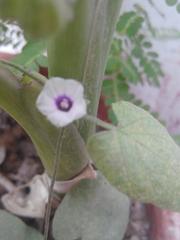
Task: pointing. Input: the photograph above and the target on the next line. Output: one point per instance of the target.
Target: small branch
(34, 75)
(100, 123)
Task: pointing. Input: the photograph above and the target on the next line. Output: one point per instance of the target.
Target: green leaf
(178, 7)
(93, 210)
(129, 23)
(116, 47)
(116, 90)
(152, 69)
(140, 37)
(177, 139)
(153, 54)
(113, 64)
(125, 21)
(130, 71)
(139, 157)
(135, 26)
(147, 44)
(137, 51)
(171, 2)
(12, 227)
(31, 51)
(112, 116)
(42, 61)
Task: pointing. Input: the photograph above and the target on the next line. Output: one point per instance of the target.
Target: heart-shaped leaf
(92, 210)
(12, 227)
(139, 157)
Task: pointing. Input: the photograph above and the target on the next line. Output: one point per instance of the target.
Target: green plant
(137, 155)
(131, 59)
(173, 3)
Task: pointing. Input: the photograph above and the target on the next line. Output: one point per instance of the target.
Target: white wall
(165, 100)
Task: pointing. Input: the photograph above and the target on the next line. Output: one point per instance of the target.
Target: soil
(18, 159)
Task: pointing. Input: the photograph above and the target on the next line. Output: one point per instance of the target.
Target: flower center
(64, 103)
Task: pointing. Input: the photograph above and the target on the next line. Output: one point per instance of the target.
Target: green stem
(55, 169)
(100, 122)
(34, 75)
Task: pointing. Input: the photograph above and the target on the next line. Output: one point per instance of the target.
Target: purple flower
(62, 101)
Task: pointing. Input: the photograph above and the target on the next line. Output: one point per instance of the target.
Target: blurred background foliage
(132, 59)
(175, 3)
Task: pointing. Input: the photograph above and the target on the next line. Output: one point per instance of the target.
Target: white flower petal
(75, 90)
(79, 110)
(56, 88)
(58, 119)
(45, 104)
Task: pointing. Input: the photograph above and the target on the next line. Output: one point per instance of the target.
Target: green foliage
(177, 139)
(139, 157)
(32, 56)
(19, 102)
(129, 24)
(173, 3)
(178, 7)
(13, 228)
(115, 91)
(134, 50)
(71, 54)
(92, 210)
(80, 52)
(131, 59)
